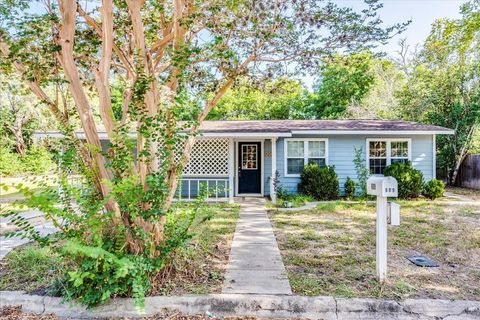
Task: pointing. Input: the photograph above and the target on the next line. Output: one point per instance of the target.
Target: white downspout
(273, 194)
(231, 169)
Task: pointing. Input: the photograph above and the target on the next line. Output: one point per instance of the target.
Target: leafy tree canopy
(343, 79)
(443, 85)
(275, 99)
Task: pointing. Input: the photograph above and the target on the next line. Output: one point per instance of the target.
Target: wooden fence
(469, 173)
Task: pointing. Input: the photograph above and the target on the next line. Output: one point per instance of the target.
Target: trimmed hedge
(433, 189)
(410, 180)
(319, 183)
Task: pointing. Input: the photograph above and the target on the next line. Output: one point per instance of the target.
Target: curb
(263, 306)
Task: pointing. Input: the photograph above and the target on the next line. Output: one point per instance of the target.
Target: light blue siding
(422, 155)
(341, 151)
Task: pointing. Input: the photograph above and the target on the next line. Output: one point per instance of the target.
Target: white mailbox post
(382, 188)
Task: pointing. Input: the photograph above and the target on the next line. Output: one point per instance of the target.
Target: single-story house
(239, 158)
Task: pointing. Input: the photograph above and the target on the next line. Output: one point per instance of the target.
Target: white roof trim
(374, 132)
(265, 135)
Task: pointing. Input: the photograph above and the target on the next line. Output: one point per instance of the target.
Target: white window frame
(305, 153)
(388, 142)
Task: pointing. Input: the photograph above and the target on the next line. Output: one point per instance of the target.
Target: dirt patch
(15, 313)
(331, 250)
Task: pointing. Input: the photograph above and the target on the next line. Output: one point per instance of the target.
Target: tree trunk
(20, 146)
(461, 156)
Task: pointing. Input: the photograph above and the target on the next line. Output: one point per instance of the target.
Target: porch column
(231, 169)
(273, 194)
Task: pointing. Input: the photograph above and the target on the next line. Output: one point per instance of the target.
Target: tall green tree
(266, 100)
(20, 115)
(344, 79)
(380, 102)
(443, 86)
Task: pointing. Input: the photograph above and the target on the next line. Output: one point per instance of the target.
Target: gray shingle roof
(287, 127)
(320, 125)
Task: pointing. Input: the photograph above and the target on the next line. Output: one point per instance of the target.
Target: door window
(249, 157)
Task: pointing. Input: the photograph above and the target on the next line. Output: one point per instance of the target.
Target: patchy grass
(30, 268)
(331, 250)
(198, 268)
(295, 200)
(470, 193)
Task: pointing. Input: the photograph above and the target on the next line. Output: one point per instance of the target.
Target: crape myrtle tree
(173, 60)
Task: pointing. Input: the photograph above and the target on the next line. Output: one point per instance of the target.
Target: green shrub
(433, 189)
(349, 188)
(36, 161)
(282, 193)
(362, 171)
(410, 180)
(319, 183)
(10, 163)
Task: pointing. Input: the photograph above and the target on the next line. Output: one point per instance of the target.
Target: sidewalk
(8, 244)
(255, 265)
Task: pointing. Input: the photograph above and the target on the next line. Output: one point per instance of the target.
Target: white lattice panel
(209, 158)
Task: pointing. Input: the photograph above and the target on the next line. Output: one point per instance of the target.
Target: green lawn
(331, 250)
(9, 185)
(197, 268)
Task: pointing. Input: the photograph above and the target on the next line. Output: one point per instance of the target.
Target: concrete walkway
(255, 265)
(8, 244)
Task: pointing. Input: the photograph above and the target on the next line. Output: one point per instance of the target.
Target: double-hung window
(300, 152)
(383, 152)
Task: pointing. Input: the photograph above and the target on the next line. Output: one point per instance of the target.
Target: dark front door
(249, 167)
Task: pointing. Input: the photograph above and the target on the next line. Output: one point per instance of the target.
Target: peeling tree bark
(67, 32)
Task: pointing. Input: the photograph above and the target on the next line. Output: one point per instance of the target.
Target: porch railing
(213, 189)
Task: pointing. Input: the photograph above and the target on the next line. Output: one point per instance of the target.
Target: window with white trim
(300, 152)
(383, 152)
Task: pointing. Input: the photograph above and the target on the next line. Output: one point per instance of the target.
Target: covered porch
(224, 167)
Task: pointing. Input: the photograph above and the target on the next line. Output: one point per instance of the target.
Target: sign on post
(382, 188)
